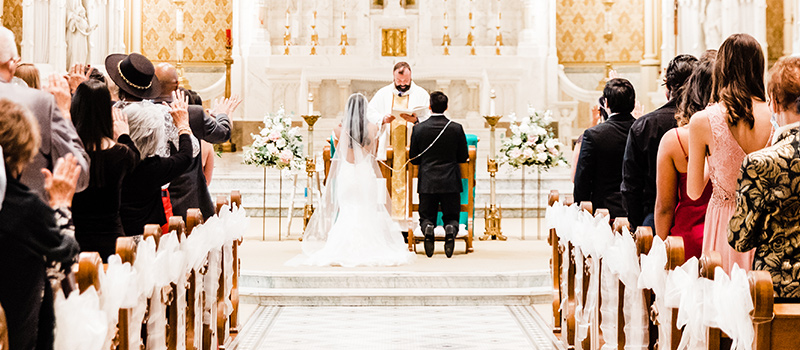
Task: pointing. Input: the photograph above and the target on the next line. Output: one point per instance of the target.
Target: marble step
(395, 296)
(377, 279)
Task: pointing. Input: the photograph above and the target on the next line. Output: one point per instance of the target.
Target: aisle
(416, 327)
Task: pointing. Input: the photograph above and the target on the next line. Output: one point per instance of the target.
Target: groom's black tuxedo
(439, 173)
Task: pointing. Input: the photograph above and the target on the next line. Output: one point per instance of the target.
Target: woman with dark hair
(767, 214)
(675, 213)
(737, 123)
(104, 132)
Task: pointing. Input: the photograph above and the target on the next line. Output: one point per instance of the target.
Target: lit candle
(228, 38)
(491, 102)
(314, 21)
(344, 17)
(310, 104)
(287, 17)
(471, 20)
(499, 15)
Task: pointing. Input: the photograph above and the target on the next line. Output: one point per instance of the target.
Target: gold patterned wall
(205, 22)
(580, 26)
(775, 29)
(12, 18)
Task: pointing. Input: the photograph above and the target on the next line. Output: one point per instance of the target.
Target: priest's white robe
(381, 105)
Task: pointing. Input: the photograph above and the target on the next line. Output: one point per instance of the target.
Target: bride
(352, 226)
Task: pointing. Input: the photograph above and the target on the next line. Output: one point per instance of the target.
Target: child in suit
(438, 145)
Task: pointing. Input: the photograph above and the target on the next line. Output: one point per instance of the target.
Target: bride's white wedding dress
(352, 227)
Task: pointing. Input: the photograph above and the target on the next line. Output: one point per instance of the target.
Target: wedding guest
(768, 205)
(675, 213)
(104, 132)
(639, 163)
(34, 236)
(58, 136)
(141, 189)
(737, 123)
(599, 115)
(190, 189)
(599, 170)
(29, 74)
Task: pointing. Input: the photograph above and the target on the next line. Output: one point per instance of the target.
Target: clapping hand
(59, 88)
(225, 106)
(120, 123)
(60, 184)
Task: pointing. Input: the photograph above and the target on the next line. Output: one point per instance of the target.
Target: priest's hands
(388, 118)
(411, 118)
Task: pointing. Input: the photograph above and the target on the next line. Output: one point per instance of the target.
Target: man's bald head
(168, 77)
(9, 57)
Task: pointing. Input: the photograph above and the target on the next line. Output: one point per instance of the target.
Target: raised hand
(179, 109)
(60, 184)
(226, 105)
(77, 74)
(120, 122)
(59, 88)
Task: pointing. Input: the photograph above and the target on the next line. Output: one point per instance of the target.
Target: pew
(3, 330)
(555, 267)
(776, 324)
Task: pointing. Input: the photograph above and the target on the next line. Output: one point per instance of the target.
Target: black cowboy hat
(134, 74)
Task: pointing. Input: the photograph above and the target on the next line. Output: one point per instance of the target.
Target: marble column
(795, 28)
(58, 35)
(788, 26)
(344, 93)
(116, 33)
(28, 28)
(650, 64)
(136, 26)
(668, 38)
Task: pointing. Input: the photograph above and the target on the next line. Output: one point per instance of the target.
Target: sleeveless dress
(690, 214)
(725, 165)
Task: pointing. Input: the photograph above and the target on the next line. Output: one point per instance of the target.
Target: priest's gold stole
(399, 141)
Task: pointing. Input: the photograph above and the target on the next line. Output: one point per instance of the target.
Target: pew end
(587, 206)
(620, 223)
(88, 275)
(177, 224)
(194, 218)
(708, 263)
(602, 212)
(676, 253)
(154, 231)
(236, 198)
(644, 239)
(3, 330)
(126, 249)
(569, 199)
(555, 268)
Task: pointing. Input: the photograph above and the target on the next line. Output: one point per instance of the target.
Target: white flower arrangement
(532, 142)
(278, 145)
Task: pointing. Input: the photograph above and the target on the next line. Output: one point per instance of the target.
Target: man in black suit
(599, 170)
(639, 164)
(437, 145)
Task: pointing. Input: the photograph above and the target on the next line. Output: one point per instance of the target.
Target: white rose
(514, 129)
(532, 139)
(528, 153)
(551, 143)
(516, 141)
(281, 143)
(540, 148)
(541, 157)
(514, 153)
(512, 117)
(272, 149)
(541, 131)
(524, 128)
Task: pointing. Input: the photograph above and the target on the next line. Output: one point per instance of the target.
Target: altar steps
(376, 288)
(230, 174)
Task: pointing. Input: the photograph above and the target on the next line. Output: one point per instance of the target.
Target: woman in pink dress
(724, 133)
(675, 213)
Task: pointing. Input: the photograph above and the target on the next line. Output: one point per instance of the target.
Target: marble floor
(416, 327)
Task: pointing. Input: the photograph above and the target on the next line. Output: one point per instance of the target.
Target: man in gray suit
(189, 190)
(59, 137)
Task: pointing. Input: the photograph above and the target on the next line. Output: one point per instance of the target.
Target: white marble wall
(704, 24)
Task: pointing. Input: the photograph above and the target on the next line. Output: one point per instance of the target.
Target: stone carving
(712, 24)
(78, 31)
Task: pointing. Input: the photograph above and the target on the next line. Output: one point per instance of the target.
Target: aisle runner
(417, 327)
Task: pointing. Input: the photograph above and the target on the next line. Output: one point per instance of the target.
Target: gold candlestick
(471, 35)
(228, 146)
(446, 37)
(498, 39)
(287, 35)
(343, 42)
(492, 214)
(314, 35)
(311, 118)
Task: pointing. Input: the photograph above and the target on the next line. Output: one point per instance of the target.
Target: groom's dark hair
(438, 102)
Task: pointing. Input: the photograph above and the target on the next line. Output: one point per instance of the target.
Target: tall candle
(228, 38)
(491, 102)
(499, 15)
(310, 104)
(344, 17)
(314, 21)
(287, 17)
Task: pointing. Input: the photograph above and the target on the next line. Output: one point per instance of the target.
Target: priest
(402, 94)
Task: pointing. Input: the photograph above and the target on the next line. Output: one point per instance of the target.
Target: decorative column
(311, 166)
(179, 36)
(28, 28)
(492, 214)
(58, 35)
(344, 93)
(796, 28)
(788, 26)
(669, 31)
(650, 64)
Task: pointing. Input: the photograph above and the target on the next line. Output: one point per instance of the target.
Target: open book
(397, 111)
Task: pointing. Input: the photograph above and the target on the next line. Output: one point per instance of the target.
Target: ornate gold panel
(393, 42)
(12, 18)
(580, 25)
(205, 22)
(775, 29)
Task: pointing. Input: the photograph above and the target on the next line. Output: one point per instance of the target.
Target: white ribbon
(80, 322)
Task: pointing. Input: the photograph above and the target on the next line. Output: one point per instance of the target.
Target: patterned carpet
(419, 327)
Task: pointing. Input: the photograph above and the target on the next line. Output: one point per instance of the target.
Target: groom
(437, 146)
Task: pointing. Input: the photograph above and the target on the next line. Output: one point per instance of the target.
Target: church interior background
(545, 54)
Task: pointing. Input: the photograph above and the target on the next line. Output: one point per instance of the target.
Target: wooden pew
(236, 199)
(3, 330)
(126, 249)
(555, 268)
(777, 325)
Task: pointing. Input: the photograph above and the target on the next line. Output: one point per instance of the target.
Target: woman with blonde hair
(29, 74)
(720, 136)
